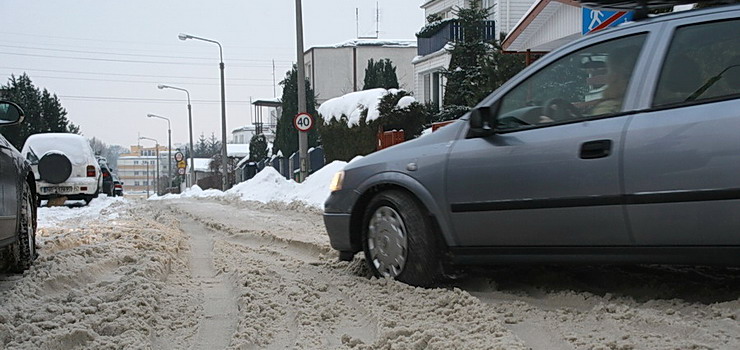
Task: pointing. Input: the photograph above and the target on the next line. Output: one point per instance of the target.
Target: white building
(336, 70)
(547, 25)
(433, 57)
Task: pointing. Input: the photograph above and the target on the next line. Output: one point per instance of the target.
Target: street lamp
(190, 127)
(156, 149)
(169, 146)
(224, 155)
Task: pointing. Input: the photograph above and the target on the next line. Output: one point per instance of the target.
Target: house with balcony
(433, 40)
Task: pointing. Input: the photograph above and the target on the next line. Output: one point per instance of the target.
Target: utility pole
(301, 85)
(147, 178)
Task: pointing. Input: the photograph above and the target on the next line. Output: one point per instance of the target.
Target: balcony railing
(451, 32)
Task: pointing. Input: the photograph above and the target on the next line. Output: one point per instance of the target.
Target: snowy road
(212, 274)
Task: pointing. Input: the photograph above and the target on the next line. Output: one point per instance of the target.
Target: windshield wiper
(709, 84)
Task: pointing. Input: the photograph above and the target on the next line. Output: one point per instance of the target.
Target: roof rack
(643, 7)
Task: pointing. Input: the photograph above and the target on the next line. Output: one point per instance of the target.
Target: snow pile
(373, 42)
(353, 104)
(102, 208)
(101, 284)
(269, 186)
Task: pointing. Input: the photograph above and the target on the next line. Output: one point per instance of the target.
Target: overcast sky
(104, 59)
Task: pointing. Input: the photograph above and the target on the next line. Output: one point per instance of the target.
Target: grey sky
(109, 95)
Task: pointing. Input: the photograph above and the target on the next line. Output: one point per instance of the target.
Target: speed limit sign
(303, 122)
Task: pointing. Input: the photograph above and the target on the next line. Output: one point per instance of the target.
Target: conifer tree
(257, 148)
(380, 74)
(43, 110)
(286, 135)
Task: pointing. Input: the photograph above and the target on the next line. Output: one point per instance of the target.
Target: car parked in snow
(117, 186)
(64, 166)
(108, 183)
(18, 198)
(621, 147)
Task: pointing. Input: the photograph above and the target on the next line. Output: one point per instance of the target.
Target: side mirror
(481, 122)
(10, 113)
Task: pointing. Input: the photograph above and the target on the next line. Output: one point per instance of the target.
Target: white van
(64, 166)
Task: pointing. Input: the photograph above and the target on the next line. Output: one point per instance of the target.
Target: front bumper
(337, 219)
(338, 228)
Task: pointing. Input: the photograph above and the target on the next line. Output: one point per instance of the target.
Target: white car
(64, 166)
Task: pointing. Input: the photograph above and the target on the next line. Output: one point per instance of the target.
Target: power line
(136, 55)
(140, 81)
(131, 75)
(142, 100)
(136, 42)
(131, 61)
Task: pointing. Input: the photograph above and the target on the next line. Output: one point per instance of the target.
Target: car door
(682, 155)
(8, 191)
(550, 175)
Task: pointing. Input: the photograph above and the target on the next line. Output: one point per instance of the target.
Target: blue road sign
(595, 20)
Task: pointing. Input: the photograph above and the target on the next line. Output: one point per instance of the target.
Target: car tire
(23, 251)
(399, 240)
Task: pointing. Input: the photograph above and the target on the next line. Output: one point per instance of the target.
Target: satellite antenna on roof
(377, 23)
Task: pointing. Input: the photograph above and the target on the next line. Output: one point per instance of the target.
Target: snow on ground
(108, 276)
(268, 186)
(98, 209)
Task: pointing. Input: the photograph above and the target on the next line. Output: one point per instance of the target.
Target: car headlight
(336, 181)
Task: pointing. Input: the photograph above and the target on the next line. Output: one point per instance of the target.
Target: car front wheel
(399, 240)
(23, 251)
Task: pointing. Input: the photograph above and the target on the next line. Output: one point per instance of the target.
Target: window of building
(136, 183)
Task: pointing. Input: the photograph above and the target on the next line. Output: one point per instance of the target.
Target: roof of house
(539, 14)
(401, 43)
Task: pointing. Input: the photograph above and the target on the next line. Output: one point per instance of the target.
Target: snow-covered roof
(74, 146)
(352, 105)
(238, 150)
(372, 42)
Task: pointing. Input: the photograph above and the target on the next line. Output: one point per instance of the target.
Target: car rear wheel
(399, 240)
(23, 251)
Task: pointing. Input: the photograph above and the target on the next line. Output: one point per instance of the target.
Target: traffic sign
(303, 122)
(182, 164)
(595, 20)
(181, 171)
(179, 156)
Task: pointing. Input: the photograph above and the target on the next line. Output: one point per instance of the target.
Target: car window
(702, 63)
(586, 83)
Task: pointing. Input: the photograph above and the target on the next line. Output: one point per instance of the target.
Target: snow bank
(269, 186)
(97, 209)
(352, 105)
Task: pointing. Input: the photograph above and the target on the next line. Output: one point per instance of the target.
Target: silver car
(621, 147)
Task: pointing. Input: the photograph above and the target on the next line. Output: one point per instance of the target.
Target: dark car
(108, 182)
(17, 193)
(631, 160)
(117, 186)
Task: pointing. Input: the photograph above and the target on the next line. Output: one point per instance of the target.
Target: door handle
(596, 149)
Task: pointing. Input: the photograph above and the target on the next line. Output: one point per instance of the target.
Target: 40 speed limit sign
(303, 122)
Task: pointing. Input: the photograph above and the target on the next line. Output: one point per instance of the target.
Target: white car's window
(586, 83)
(703, 63)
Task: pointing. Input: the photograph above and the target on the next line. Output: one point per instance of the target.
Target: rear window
(703, 63)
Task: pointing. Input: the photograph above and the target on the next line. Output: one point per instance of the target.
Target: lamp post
(224, 155)
(190, 127)
(169, 147)
(156, 149)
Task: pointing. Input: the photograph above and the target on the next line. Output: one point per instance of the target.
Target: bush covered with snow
(352, 122)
